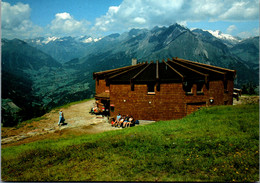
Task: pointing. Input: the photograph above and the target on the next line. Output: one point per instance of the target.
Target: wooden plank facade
(164, 90)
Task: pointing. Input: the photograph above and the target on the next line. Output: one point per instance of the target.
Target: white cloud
(14, 17)
(139, 13)
(241, 10)
(16, 21)
(63, 16)
(113, 9)
(65, 24)
(139, 20)
(231, 28)
(149, 13)
(129, 14)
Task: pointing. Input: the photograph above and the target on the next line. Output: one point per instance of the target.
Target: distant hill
(115, 50)
(34, 80)
(248, 50)
(62, 49)
(162, 43)
(17, 55)
(20, 62)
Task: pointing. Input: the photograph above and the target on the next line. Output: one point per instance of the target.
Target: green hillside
(214, 144)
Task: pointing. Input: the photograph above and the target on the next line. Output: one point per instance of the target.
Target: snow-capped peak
(82, 39)
(87, 40)
(49, 39)
(90, 39)
(220, 35)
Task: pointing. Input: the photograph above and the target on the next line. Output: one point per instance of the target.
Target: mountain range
(39, 74)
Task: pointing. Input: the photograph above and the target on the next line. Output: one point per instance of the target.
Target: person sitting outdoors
(113, 122)
(121, 121)
(96, 110)
(118, 117)
(126, 120)
(131, 122)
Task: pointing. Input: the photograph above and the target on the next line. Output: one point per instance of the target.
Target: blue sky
(33, 18)
(43, 11)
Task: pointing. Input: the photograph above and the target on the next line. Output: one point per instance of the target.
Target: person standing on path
(61, 117)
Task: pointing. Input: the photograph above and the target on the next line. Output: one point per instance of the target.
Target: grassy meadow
(213, 144)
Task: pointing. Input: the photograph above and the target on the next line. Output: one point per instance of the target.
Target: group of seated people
(123, 121)
(94, 110)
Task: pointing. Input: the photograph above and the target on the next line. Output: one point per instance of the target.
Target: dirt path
(79, 121)
(244, 99)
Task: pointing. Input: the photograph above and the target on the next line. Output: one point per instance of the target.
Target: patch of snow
(97, 39)
(220, 35)
(49, 39)
(38, 41)
(90, 39)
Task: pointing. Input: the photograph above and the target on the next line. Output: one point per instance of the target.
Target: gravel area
(78, 121)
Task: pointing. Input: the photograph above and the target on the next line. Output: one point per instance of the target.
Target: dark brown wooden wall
(101, 86)
(171, 102)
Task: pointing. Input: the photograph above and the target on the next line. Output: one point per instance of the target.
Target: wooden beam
(200, 73)
(132, 86)
(157, 76)
(116, 71)
(197, 63)
(192, 63)
(157, 69)
(140, 71)
(132, 79)
(124, 71)
(173, 69)
(95, 74)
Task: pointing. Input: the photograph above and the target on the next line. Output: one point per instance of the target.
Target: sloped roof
(174, 70)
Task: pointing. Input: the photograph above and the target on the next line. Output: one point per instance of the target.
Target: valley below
(39, 75)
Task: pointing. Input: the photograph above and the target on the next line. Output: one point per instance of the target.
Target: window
(150, 89)
(225, 86)
(200, 88)
(187, 87)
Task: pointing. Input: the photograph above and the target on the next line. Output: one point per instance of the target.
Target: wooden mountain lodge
(163, 90)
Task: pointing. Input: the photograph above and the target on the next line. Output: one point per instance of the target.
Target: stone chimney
(134, 61)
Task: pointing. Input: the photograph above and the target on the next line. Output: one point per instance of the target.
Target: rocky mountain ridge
(64, 49)
(35, 81)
